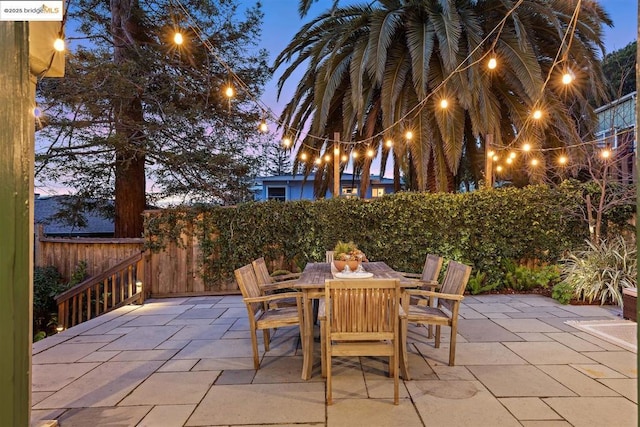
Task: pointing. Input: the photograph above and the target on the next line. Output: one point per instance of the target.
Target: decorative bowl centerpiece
(347, 254)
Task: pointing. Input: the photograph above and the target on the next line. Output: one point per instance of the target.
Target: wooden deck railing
(120, 285)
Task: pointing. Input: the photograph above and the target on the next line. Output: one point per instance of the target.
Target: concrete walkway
(187, 362)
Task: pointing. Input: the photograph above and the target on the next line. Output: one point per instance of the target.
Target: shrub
(602, 270)
(523, 278)
(563, 292)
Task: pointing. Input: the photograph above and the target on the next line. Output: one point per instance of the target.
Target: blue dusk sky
(282, 21)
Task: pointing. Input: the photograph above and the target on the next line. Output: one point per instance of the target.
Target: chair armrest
(284, 277)
(410, 275)
(452, 297)
(286, 284)
(274, 297)
(432, 284)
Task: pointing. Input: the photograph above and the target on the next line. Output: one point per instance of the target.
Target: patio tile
(236, 376)
(458, 403)
(626, 387)
(184, 365)
(419, 369)
(82, 339)
(529, 408)
(574, 342)
(605, 345)
(206, 299)
(224, 364)
(82, 417)
(622, 361)
(595, 411)
(372, 413)
(212, 313)
(161, 309)
(479, 330)
(171, 344)
(261, 404)
(473, 354)
(38, 415)
(134, 355)
(53, 377)
(280, 369)
(546, 353)
(200, 332)
(52, 341)
(588, 310)
(146, 338)
(469, 313)
(597, 371)
(99, 356)
(168, 301)
(497, 315)
(66, 353)
(150, 320)
(233, 311)
(534, 336)
(105, 385)
(448, 373)
(167, 416)
(579, 383)
(492, 307)
(525, 325)
(213, 349)
(523, 381)
(546, 423)
(107, 327)
(164, 388)
(39, 396)
(179, 321)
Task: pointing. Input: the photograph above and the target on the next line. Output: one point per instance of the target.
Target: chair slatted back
(329, 256)
(432, 267)
(455, 281)
(262, 272)
(246, 278)
(362, 309)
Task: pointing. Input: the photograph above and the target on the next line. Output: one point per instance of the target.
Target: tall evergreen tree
(136, 107)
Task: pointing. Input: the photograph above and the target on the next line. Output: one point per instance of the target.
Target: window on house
(277, 193)
(377, 192)
(349, 191)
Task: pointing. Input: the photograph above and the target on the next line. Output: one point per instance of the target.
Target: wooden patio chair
(328, 256)
(270, 285)
(428, 279)
(361, 318)
(261, 314)
(443, 312)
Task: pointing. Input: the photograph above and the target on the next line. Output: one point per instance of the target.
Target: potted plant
(347, 254)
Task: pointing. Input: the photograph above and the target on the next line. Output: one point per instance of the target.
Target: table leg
(307, 338)
(404, 357)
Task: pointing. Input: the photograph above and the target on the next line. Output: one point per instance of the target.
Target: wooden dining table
(311, 283)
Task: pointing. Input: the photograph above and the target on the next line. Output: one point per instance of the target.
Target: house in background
(297, 187)
(46, 208)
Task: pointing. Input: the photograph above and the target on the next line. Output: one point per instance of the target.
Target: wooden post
(336, 165)
(488, 161)
(17, 135)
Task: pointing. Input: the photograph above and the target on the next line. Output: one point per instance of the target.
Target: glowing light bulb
(493, 63)
(509, 160)
(263, 126)
(354, 154)
(512, 155)
(389, 143)
(563, 160)
(408, 135)
(336, 151)
(344, 158)
(526, 147)
(567, 78)
(496, 158)
(318, 160)
(606, 153)
(229, 92)
(286, 142)
(537, 114)
(491, 153)
(370, 153)
(178, 38)
(444, 103)
(58, 44)
(303, 156)
(499, 169)
(534, 162)
(327, 157)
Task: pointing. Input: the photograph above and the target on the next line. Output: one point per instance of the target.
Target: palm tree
(376, 70)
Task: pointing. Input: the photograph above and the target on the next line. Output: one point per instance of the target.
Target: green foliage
(523, 278)
(602, 270)
(619, 69)
(481, 229)
(477, 283)
(563, 292)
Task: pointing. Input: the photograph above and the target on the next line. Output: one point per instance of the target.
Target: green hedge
(481, 228)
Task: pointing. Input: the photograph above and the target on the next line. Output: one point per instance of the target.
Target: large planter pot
(340, 265)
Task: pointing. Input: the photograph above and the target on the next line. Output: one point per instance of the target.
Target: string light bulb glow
(444, 103)
(499, 168)
(526, 147)
(563, 160)
(327, 157)
(509, 160)
(336, 151)
(370, 153)
(229, 91)
(58, 44)
(495, 158)
(512, 155)
(567, 78)
(493, 63)
(389, 143)
(344, 158)
(606, 153)
(318, 160)
(354, 154)
(286, 142)
(491, 153)
(534, 162)
(178, 38)
(263, 126)
(537, 114)
(408, 135)
(303, 156)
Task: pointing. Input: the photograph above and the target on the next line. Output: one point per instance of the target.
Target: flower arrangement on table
(347, 254)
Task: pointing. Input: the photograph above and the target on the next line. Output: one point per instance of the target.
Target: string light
(58, 44)
(444, 103)
(178, 38)
(563, 160)
(370, 152)
(389, 143)
(526, 147)
(509, 160)
(354, 154)
(408, 135)
(263, 126)
(496, 158)
(567, 78)
(606, 153)
(344, 158)
(318, 160)
(499, 168)
(303, 156)
(534, 162)
(493, 63)
(229, 91)
(491, 153)
(286, 142)
(537, 114)
(327, 158)
(512, 155)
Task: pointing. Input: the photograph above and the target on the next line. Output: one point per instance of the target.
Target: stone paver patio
(187, 362)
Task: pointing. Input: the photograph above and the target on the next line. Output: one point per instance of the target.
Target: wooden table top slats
(315, 274)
